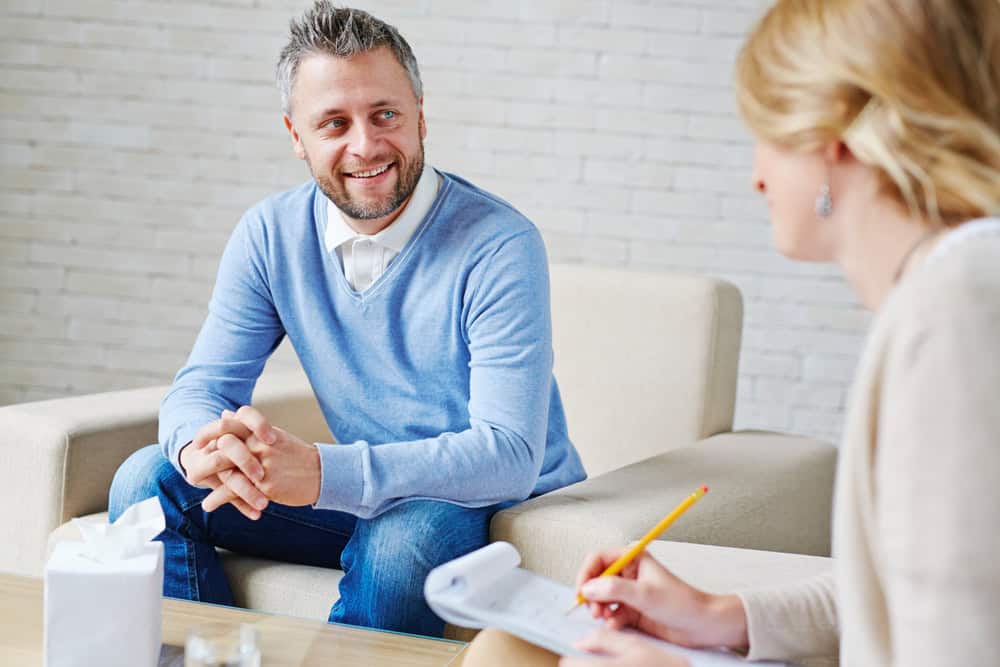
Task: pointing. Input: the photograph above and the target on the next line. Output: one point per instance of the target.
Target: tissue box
(105, 612)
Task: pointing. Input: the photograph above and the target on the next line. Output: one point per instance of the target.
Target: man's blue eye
(388, 115)
(335, 123)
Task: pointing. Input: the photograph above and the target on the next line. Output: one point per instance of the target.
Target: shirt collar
(396, 235)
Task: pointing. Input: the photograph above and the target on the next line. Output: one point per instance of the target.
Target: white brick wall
(134, 134)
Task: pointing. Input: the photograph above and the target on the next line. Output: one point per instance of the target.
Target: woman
(878, 148)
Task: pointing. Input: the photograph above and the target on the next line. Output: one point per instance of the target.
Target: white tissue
(103, 595)
(126, 537)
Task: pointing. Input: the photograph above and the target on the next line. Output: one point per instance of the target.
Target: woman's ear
(836, 152)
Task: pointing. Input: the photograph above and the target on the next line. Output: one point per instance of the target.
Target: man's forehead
(325, 80)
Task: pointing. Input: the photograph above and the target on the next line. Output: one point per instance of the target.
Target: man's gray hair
(341, 32)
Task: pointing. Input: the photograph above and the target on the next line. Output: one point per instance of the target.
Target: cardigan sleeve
(798, 620)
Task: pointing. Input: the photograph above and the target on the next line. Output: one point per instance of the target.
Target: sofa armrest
(768, 491)
(57, 457)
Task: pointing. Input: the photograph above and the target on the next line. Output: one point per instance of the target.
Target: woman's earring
(824, 202)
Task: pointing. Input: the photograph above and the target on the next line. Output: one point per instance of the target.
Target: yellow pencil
(637, 549)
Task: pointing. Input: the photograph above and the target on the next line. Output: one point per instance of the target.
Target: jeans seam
(191, 557)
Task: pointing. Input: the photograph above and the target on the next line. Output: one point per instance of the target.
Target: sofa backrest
(645, 362)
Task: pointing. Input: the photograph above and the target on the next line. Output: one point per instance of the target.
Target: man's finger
(238, 483)
(223, 494)
(255, 420)
(206, 434)
(211, 482)
(235, 487)
(229, 423)
(219, 496)
(208, 464)
(251, 513)
(237, 451)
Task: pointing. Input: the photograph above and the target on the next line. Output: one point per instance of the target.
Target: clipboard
(486, 588)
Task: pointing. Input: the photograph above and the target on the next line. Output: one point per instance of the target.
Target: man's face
(359, 127)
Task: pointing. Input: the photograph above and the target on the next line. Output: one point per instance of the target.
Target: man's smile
(370, 173)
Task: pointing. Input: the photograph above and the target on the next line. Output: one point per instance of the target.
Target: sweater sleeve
(499, 456)
(937, 476)
(241, 331)
(794, 621)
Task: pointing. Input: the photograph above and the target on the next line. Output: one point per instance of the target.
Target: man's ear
(297, 146)
(422, 123)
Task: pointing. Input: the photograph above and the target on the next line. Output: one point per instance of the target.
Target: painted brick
(17, 301)
(107, 284)
(665, 17)
(559, 63)
(572, 12)
(539, 168)
(666, 203)
(32, 79)
(627, 173)
(508, 34)
(825, 368)
(21, 327)
(726, 22)
(601, 39)
(773, 365)
(24, 275)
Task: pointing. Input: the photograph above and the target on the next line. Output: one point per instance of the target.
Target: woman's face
(791, 181)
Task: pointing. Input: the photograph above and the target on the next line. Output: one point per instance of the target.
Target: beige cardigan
(917, 512)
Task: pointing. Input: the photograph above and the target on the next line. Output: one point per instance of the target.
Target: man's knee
(428, 532)
(142, 475)
(389, 558)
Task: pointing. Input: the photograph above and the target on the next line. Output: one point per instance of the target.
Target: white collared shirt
(365, 257)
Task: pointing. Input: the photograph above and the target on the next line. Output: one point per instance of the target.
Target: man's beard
(406, 183)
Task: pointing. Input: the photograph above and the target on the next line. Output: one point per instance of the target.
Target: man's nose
(363, 141)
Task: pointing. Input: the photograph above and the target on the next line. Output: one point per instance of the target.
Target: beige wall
(133, 135)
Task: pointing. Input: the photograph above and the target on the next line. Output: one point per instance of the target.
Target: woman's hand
(648, 597)
(619, 649)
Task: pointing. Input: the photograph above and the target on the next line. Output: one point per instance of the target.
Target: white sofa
(647, 364)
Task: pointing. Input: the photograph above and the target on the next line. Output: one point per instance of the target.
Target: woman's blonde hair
(912, 87)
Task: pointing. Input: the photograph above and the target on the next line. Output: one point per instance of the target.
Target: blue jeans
(385, 559)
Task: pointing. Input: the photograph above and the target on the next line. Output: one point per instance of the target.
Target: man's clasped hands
(248, 462)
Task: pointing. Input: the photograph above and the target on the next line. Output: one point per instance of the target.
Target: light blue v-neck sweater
(437, 379)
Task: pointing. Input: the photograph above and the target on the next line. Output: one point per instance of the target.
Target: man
(418, 305)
